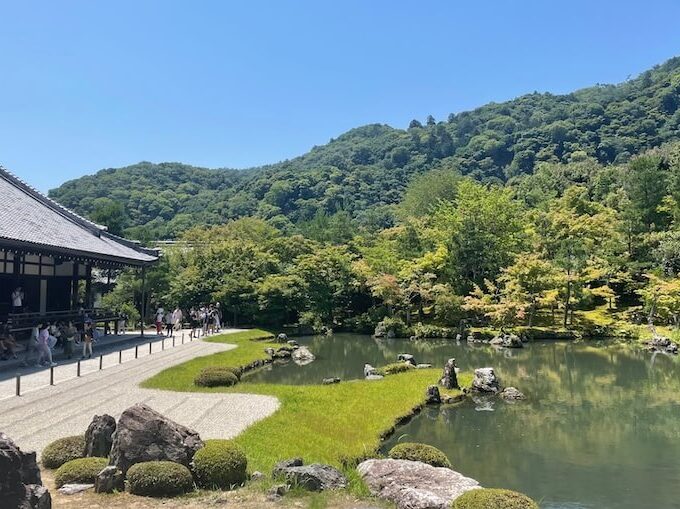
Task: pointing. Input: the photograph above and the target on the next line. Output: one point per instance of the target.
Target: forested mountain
(360, 175)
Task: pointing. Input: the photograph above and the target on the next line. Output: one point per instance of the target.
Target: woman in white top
(18, 300)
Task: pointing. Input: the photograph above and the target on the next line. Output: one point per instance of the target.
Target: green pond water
(600, 428)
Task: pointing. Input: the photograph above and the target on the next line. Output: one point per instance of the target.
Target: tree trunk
(566, 304)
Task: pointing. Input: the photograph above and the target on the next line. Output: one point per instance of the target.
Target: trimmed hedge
(419, 452)
(220, 464)
(394, 368)
(159, 479)
(79, 471)
(217, 376)
(493, 499)
(63, 450)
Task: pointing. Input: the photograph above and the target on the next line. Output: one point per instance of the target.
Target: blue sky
(88, 85)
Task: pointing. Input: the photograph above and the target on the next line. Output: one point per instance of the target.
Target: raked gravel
(44, 413)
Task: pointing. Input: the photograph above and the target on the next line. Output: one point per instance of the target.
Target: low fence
(176, 341)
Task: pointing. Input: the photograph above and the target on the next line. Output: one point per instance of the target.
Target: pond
(600, 429)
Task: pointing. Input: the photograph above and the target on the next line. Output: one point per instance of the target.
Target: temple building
(50, 253)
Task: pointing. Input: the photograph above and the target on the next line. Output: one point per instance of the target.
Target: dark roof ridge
(95, 228)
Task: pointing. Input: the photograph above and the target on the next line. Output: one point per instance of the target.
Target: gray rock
(512, 394)
(432, 396)
(485, 380)
(507, 341)
(277, 491)
(449, 377)
(330, 381)
(303, 356)
(406, 357)
(142, 434)
(374, 377)
(414, 485)
(662, 344)
(369, 370)
(280, 468)
(110, 479)
(72, 489)
(423, 366)
(292, 343)
(98, 437)
(282, 353)
(282, 338)
(314, 477)
(256, 476)
(37, 497)
(269, 351)
(20, 482)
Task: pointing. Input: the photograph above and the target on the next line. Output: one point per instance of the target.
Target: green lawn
(325, 423)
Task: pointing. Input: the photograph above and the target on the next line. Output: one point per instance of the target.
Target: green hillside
(364, 172)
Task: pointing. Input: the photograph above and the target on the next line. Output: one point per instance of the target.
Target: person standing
(169, 323)
(218, 317)
(88, 338)
(70, 334)
(44, 340)
(18, 300)
(160, 315)
(177, 317)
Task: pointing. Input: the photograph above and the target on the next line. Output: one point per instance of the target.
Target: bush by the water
(159, 479)
(220, 464)
(397, 367)
(392, 327)
(493, 499)
(216, 376)
(65, 449)
(419, 452)
(427, 331)
(79, 471)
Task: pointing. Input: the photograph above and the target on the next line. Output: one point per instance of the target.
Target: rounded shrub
(220, 464)
(395, 367)
(159, 479)
(486, 498)
(419, 452)
(216, 377)
(63, 450)
(79, 471)
(235, 370)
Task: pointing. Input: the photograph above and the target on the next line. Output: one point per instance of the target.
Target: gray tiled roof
(28, 217)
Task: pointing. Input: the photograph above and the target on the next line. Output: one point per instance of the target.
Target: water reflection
(600, 428)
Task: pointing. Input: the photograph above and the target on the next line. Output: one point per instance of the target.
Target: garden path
(44, 413)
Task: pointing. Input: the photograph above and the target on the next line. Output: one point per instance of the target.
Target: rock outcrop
(407, 357)
(109, 480)
(99, 436)
(313, 477)
(414, 485)
(303, 356)
(369, 370)
(449, 378)
(507, 341)
(20, 482)
(512, 394)
(486, 381)
(330, 381)
(432, 396)
(142, 434)
(662, 344)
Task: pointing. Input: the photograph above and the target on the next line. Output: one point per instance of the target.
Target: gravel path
(44, 413)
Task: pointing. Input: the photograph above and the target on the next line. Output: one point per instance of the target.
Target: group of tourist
(203, 320)
(47, 337)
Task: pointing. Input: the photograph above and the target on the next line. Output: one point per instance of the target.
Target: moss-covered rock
(419, 452)
(159, 479)
(60, 451)
(79, 471)
(396, 367)
(493, 499)
(220, 464)
(216, 376)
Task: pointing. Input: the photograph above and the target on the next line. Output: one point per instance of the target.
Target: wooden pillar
(143, 306)
(88, 286)
(74, 287)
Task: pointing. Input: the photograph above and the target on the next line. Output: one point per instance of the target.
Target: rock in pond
(303, 356)
(414, 485)
(485, 380)
(662, 344)
(374, 377)
(20, 482)
(449, 377)
(282, 338)
(507, 341)
(98, 437)
(432, 396)
(423, 366)
(330, 381)
(512, 394)
(313, 477)
(142, 434)
(407, 357)
(369, 370)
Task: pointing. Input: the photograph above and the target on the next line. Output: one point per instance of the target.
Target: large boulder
(313, 477)
(512, 394)
(414, 485)
(99, 436)
(432, 396)
(142, 434)
(662, 344)
(507, 341)
(302, 356)
(407, 357)
(485, 380)
(369, 370)
(449, 377)
(20, 482)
